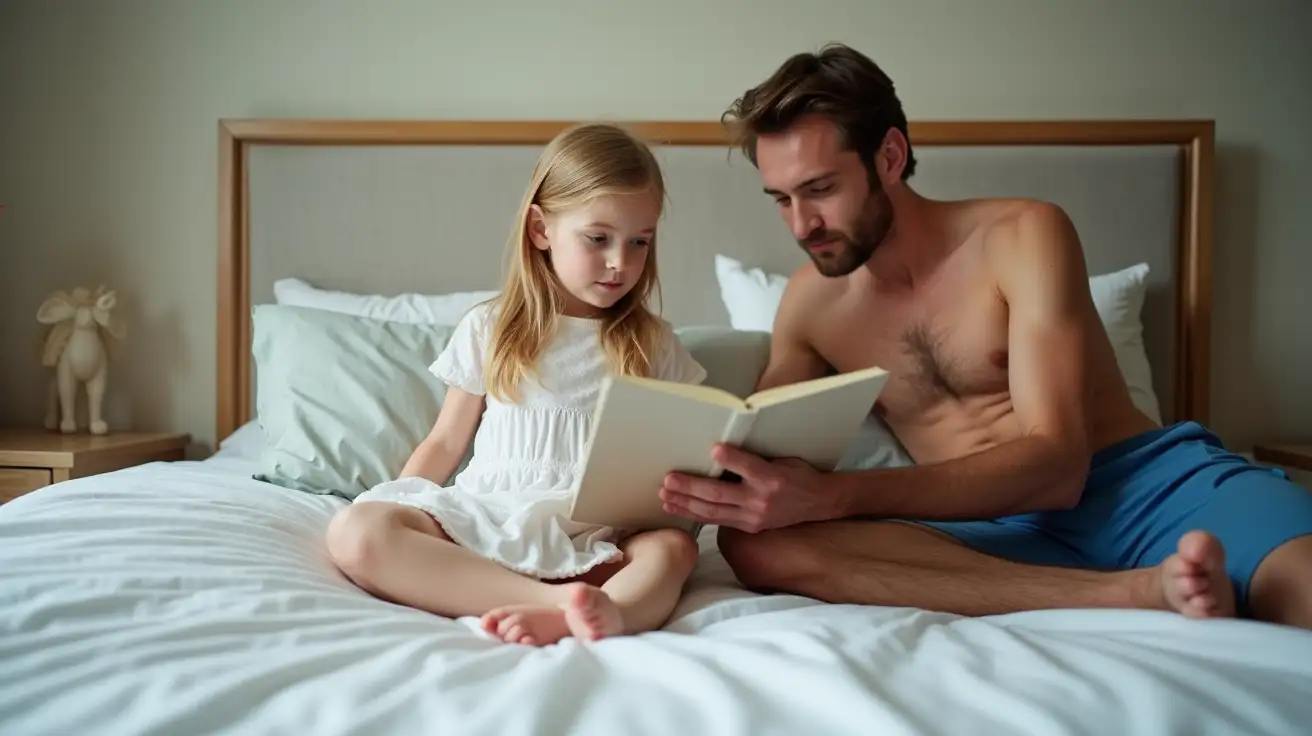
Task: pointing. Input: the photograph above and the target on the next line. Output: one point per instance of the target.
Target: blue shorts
(1142, 494)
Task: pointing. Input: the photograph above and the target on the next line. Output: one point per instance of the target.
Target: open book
(645, 428)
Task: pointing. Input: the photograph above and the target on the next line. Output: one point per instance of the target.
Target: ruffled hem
(538, 573)
(452, 375)
(472, 521)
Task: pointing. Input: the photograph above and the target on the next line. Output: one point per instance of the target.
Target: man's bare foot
(533, 625)
(1194, 580)
(591, 614)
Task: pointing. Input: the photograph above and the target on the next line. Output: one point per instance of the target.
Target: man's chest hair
(946, 345)
(931, 366)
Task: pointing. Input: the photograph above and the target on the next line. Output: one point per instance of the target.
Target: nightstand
(34, 458)
(1293, 456)
(1294, 459)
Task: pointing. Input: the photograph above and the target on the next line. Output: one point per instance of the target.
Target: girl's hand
(771, 494)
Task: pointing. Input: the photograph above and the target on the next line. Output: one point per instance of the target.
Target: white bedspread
(188, 598)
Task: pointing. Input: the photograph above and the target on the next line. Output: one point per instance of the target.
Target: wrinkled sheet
(188, 598)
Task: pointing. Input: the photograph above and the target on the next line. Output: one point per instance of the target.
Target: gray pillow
(875, 446)
(733, 359)
(343, 400)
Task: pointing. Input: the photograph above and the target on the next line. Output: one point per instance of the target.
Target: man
(1037, 483)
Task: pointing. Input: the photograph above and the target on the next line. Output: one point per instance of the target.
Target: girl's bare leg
(647, 589)
(400, 554)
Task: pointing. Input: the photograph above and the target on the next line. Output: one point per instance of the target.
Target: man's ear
(891, 157)
(537, 228)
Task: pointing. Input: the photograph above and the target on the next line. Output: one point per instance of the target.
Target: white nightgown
(511, 503)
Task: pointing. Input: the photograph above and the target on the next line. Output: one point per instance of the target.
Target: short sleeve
(676, 363)
(461, 362)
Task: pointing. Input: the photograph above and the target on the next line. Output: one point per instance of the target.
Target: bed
(197, 597)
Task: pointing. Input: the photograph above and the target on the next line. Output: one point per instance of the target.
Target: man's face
(836, 209)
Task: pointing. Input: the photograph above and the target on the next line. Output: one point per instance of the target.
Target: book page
(709, 394)
(816, 426)
(642, 433)
(792, 391)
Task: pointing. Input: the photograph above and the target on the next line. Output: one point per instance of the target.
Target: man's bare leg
(897, 564)
(1282, 585)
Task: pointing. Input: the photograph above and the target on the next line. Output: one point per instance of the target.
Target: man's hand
(772, 494)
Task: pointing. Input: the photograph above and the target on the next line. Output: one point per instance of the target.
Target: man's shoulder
(1024, 229)
(1032, 248)
(997, 217)
(806, 292)
(807, 283)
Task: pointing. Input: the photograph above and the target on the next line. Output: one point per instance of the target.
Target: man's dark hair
(837, 83)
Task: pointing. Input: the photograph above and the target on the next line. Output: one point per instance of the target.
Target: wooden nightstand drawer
(1293, 456)
(34, 458)
(14, 482)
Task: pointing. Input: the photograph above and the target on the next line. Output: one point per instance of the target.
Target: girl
(524, 372)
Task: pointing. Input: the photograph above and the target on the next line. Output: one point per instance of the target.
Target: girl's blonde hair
(578, 165)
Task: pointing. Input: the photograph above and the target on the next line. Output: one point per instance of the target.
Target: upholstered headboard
(389, 207)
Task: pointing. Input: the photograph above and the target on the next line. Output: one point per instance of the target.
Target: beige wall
(107, 137)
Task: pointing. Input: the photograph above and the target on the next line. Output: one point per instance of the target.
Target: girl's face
(599, 250)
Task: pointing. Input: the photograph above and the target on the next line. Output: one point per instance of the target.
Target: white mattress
(188, 598)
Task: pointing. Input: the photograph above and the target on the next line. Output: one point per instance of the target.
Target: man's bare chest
(946, 346)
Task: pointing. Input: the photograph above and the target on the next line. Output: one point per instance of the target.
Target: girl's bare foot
(533, 625)
(591, 614)
(1194, 580)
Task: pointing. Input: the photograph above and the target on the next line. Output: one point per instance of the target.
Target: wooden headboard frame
(1195, 139)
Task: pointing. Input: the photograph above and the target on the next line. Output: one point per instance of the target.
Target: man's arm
(792, 359)
(1041, 275)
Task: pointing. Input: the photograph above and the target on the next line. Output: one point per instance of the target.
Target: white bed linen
(188, 598)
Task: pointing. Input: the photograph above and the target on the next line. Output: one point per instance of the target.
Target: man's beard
(856, 249)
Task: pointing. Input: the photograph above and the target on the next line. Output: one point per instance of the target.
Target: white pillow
(246, 442)
(433, 309)
(752, 297)
(1118, 297)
